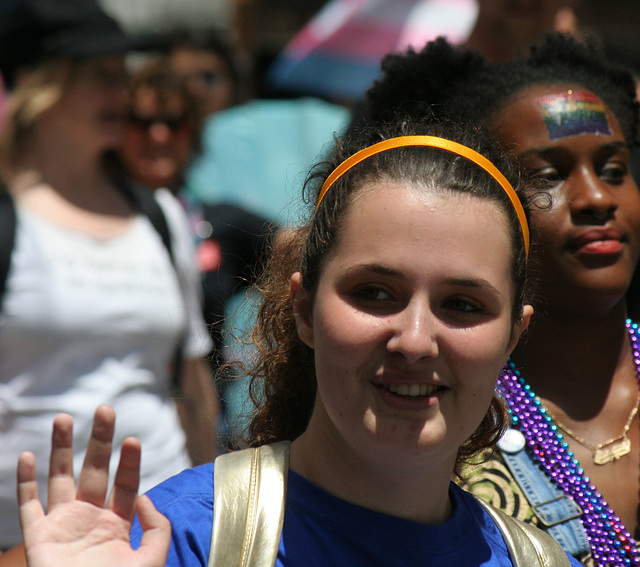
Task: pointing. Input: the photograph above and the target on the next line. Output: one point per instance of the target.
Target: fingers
(26, 476)
(62, 486)
(94, 477)
(31, 509)
(157, 530)
(125, 488)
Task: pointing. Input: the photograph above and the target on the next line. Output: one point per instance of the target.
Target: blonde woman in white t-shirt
(94, 307)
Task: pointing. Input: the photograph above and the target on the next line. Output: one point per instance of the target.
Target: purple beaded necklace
(611, 543)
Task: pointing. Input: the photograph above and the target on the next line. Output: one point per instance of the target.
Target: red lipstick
(598, 241)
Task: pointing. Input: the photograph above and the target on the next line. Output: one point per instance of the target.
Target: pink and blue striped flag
(337, 54)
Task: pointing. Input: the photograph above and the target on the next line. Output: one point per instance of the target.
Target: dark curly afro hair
(458, 83)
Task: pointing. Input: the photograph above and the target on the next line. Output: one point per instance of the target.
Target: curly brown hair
(283, 380)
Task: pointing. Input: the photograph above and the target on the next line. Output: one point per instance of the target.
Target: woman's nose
(591, 197)
(414, 334)
(159, 132)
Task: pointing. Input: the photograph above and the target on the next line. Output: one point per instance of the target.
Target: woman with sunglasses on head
(570, 462)
(97, 307)
(386, 319)
(161, 139)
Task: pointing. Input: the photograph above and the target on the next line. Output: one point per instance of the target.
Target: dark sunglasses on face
(209, 79)
(172, 122)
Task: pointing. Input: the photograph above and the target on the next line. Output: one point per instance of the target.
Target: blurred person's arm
(14, 557)
(199, 411)
(197, 401)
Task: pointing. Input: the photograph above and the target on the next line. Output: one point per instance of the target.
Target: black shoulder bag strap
(7, 236)
(143, 200)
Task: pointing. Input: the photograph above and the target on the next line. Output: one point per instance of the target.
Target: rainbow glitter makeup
(572, 113)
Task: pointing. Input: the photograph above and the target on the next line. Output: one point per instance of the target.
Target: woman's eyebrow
(544, 150)
(377, 269)
(475, 283)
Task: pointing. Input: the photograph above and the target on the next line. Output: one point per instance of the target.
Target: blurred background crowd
(215, 109)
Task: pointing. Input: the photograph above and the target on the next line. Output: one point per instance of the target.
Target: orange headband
(433, 142)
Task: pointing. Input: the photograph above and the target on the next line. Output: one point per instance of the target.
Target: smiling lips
(598, 241)
(411, 390)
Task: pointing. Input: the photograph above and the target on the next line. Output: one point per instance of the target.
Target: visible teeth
(411, 390)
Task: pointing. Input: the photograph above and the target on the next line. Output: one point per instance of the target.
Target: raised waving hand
(79, 528)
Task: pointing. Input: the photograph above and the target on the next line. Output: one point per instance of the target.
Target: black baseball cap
(32, 31)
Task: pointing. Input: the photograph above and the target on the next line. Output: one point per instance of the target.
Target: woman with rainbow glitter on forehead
(570, 463)
(375, 383)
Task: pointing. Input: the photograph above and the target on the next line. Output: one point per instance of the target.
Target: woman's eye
(549, 176)
(614, 173)
(461, 305)
(372, 293)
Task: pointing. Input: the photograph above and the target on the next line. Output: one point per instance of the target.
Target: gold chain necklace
(610, 450)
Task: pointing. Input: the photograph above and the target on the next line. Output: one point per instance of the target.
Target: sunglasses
(172, 122)
(209, 79)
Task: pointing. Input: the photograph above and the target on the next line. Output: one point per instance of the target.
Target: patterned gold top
(493, 482)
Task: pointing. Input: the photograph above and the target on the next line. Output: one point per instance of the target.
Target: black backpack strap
(8, 223)
(143, 200)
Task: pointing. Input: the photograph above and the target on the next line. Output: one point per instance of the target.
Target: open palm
(79, 530)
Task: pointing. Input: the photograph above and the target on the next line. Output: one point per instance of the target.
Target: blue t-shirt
(323, 530)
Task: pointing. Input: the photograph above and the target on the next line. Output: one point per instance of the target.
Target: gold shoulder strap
(249, 500)
(248, 507)
(528, 546)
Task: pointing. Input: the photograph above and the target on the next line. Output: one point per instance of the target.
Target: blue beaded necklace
(611, 543)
